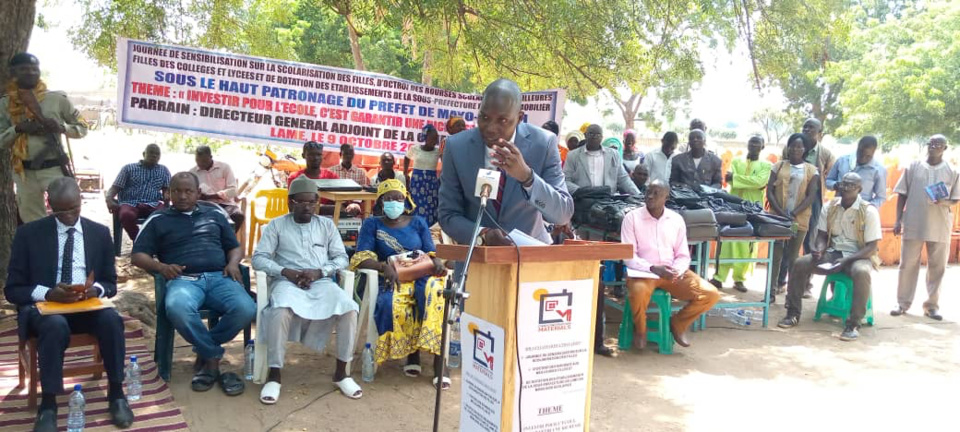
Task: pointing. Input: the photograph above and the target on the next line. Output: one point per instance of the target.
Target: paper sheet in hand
(521, 238)
(639, 274)
(828, 266)
(88, 305)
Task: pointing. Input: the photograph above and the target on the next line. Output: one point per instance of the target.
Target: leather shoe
(46, 421)
(680, 337)
(933, 314)
(120, 413)
(716, 283)
(605, 351)
(640, 340)
(898, 311)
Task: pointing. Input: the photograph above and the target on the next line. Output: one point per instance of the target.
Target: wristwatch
(480, 240)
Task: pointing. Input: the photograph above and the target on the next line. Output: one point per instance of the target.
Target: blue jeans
(214, 291)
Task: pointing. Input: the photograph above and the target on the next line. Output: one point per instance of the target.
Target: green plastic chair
(658, 331)
(840, 302)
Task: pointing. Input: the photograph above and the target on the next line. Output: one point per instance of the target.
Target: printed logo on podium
(556, 309)
(483, 352)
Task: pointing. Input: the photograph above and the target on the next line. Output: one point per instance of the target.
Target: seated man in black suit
(49, 255)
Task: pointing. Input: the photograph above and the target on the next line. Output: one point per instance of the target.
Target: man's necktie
(66, 265)
(499, 200)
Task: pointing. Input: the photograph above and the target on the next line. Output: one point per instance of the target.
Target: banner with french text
(221, 95)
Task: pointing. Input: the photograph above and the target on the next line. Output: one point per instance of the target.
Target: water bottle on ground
(134, 386)
(738, 316)
(248, 361)
(368, 365)
(76, 420)
(453, 358)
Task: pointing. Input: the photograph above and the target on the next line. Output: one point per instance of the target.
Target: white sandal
(349, 388)
(270, 393)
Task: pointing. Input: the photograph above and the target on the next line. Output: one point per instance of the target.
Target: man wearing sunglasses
(927, 193)
(64, 258)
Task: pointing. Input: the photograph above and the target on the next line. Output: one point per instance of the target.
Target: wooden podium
(495, 276)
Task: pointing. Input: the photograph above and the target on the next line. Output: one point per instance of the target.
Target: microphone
(488, 184)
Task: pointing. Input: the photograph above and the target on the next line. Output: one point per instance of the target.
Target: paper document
(521, 238)
(828, 266)
(639, 274)
(90, 304)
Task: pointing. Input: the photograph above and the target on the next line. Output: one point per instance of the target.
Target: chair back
(276, 202)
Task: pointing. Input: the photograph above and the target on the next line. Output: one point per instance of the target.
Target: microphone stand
(453, 301)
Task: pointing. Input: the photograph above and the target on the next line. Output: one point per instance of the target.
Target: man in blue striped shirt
(140, 189)
(873, 175)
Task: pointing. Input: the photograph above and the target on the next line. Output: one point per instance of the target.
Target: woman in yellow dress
(408, 315)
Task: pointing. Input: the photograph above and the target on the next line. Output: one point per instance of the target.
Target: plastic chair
(348, 282)
(276, 205)
(118, 232)
(29, 368)
(163, 346)
(657, 331)
(842, 299)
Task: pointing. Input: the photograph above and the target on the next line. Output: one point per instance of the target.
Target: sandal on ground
(412, 370)
(204, 380)
(270, 393)
(446, 383)
(349, 388)
(231, 384)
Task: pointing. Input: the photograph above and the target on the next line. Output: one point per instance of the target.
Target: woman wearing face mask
(408, 315)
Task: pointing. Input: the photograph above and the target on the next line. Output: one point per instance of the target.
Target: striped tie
(499, 200)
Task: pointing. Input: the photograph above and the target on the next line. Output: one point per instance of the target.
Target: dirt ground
(732, 378)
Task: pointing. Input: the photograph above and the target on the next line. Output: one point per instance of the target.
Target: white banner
(553, 337)
(481, 380)
(221, 95)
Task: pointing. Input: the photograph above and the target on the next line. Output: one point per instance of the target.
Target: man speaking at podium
(532, 188)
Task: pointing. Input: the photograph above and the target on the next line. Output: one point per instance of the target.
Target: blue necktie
(66, 265)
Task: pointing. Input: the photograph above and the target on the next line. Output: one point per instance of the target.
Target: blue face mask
(393, 209)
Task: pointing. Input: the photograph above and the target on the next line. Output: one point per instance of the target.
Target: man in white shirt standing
(217, 184)
(660, 162)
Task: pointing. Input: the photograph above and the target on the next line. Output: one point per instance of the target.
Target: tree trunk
(16, 23)
(355, 44)
(426, 78)
(628, 108)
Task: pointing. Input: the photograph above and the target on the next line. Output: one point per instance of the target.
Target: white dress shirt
(79, 275)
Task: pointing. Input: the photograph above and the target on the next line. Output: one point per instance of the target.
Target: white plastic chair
(347, 280)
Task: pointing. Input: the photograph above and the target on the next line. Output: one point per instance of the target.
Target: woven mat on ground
(155, 411)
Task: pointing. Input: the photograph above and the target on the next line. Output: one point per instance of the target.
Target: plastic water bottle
(76, 420)
(134, 386)
(248, 361)
(453, 359)
(368, 366)
(738, 316)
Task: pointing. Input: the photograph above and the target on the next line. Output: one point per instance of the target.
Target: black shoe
(789, 322)
(716, 283)
(46, 421)
(898, 311)
(850, 333)
(120, 413)
(933, 314)
(739, 286)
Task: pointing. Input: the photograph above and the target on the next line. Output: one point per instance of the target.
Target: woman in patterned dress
(424, 182)
(408, 315)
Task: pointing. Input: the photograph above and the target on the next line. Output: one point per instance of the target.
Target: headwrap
(629, 132)
(613, 143)
(302, 184)
(18, 112)
(583, 127)
(453, 120)
(576, 134)
(395, 185)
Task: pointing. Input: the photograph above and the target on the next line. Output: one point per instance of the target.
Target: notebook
(88, 305)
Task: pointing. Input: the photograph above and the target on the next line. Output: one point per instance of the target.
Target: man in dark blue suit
(49, 256)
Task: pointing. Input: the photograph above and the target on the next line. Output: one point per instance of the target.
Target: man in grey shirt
(696, 167)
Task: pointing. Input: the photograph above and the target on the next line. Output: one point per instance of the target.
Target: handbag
(737, 231)
(412, 265)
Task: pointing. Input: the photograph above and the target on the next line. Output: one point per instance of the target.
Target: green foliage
(180, 143)
(901, 81)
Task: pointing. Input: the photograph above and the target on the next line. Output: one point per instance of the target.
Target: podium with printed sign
(541, 304)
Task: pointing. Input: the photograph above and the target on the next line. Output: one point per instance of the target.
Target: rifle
(51, 144)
